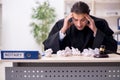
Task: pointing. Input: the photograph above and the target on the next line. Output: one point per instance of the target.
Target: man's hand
(91, 24)
(67, 24)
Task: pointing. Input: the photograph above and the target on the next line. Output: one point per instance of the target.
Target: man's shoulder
(59, 23)
(97, 19)
(60, 20)
(102, 25)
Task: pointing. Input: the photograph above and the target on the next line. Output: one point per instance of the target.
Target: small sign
(13, 55)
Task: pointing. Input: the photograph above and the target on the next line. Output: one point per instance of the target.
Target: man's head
(79, 10)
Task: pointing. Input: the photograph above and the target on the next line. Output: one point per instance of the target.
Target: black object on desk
(102, 53)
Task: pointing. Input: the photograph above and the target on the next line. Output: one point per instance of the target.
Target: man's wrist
(63, 30)
(95, 31)
(61, 35)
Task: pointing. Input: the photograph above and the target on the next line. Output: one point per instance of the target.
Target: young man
(80, 30)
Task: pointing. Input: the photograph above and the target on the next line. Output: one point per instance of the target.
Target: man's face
(79, 21)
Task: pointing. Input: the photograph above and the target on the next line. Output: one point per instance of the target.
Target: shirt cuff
(94, 34)
(61, 35)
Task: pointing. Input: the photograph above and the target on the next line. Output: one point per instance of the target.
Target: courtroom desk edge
(55, 58)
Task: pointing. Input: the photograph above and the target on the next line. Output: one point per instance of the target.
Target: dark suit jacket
(81, 39)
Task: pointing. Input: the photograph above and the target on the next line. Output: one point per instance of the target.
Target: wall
(15, 23)
(16, 17)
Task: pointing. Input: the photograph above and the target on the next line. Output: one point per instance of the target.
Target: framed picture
(118, 23)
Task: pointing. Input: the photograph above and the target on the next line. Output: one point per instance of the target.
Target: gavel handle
(110, 52)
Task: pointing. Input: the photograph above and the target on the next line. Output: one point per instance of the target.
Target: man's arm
(104, 36)
(53, 40)
(57, 38)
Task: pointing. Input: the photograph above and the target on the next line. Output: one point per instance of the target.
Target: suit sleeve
(53, 38)
(104, 37)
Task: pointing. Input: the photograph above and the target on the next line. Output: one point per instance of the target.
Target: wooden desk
(55, 58)
(65, 68)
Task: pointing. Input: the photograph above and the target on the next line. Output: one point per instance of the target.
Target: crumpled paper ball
(60, 53)
(68, 51)
(75, 52)
(90, 52)
(96, 50)
(48, 52)
(65, 53)
(85, 52)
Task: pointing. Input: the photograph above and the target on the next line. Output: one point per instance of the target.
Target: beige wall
(16, 19)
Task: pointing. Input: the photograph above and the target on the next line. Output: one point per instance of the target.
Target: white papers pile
(73, 52)
(65, 53)
(90, 52)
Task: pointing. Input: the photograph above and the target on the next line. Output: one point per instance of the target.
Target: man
(80, 30)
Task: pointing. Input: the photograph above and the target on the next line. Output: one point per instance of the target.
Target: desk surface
(55, 58)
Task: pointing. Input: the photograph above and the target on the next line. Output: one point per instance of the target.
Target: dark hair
(80, 7)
